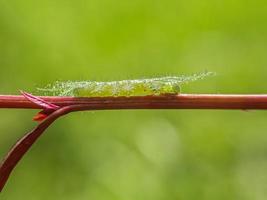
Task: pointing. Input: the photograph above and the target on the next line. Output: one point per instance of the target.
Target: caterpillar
(138, 87)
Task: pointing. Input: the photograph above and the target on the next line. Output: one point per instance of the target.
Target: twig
(24, 144)
(181, 101)
(71, 104)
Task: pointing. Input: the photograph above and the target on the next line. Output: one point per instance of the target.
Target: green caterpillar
(139, 87)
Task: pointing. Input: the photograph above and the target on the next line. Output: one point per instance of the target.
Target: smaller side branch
(23, 145)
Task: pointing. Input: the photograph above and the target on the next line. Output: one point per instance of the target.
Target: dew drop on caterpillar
(138, 87)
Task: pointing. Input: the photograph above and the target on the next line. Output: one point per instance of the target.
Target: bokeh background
(130, 155)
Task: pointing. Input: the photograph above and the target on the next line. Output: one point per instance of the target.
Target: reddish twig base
(24, 144)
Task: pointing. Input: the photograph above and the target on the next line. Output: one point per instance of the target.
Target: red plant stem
(181, 101)
(72, 104)
(23, 144)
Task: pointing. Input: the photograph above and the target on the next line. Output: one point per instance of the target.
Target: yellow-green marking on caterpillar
(138, 87)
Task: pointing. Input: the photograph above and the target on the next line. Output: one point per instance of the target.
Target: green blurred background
(137, 155)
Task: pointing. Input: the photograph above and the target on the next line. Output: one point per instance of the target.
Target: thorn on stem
(48, 108)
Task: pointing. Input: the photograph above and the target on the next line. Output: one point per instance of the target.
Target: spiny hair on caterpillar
(138, 87)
